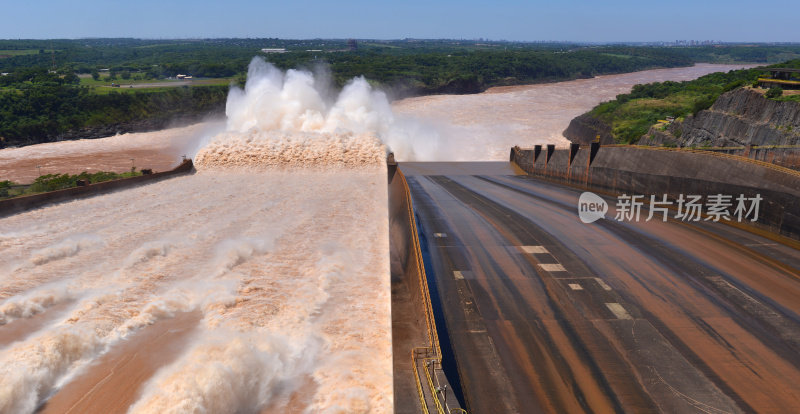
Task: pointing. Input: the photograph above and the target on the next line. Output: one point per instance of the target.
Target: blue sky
(571, 20)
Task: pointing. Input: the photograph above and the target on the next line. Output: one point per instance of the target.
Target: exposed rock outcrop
(738, 118)
(667, 135)
(585, 129)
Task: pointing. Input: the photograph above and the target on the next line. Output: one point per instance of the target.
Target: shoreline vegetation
(53, 182)
(53, 90)
(630, 116)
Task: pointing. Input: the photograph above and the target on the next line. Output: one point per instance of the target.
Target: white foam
(66, 248)
(289, 266)
(148, 251)
(258, 150)
(33, 302)
(290, 119)
(229, 372)
(31, 369)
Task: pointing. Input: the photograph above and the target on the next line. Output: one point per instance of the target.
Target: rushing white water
(280, 241)
(297, 103)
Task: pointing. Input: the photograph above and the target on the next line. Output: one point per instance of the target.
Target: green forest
(55, 89)
(38, 106)
(631, 115)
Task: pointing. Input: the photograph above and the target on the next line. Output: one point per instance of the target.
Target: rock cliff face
(585, 129)
(739, 117)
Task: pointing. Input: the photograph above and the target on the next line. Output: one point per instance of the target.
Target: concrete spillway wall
(636, 170)
(20, 204)
(415, 343)
(788, 157)
(408, 315)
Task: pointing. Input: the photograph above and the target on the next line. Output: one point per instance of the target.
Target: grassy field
(631, 119)
(617, 55)
(789, 98)
(20, 52)
(102, 86)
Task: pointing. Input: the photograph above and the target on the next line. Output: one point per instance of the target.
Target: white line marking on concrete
(552, 267)
(575, 286)
(533, 249)
(618, 311)
(570, 277)
(602, 284)
(720, 280)
(458, 275)
(440, 235)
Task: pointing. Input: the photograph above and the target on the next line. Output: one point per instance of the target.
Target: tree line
(43, 112)
(40, 102)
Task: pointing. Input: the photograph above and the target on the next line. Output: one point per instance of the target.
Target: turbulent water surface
(270, 266)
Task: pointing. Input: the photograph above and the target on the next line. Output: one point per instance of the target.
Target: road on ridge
(547, 314)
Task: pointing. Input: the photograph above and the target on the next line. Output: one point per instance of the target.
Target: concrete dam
(292, 268)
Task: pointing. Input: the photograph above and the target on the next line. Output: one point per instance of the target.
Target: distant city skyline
(566, 20)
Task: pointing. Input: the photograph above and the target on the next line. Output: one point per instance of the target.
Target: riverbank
(481, 127)
(477, 127)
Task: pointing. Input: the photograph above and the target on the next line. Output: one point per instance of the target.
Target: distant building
(274, 50)
(352, 45)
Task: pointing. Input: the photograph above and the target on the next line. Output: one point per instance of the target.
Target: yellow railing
(783, 81)
(432, 353)
(741, 147)
(428, 362)
(433, 336)
(421, 394)
(434, 390)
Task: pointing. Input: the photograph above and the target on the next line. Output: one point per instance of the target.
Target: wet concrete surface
(113, 382)
(548, 314)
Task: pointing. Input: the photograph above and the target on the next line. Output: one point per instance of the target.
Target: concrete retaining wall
(20, 204)
(412, 314)
(640, 170)
(784, 157)
(408, 314)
